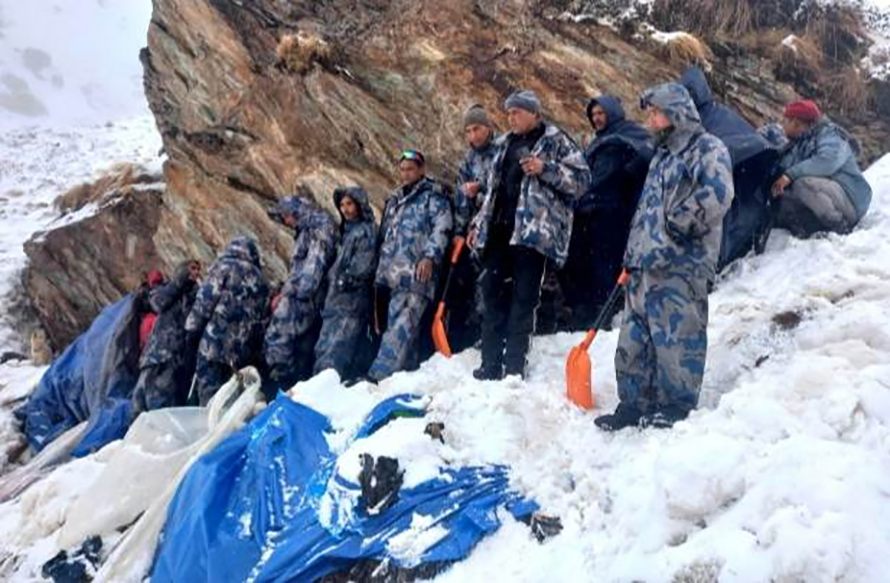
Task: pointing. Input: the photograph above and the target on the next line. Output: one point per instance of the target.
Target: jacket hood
(243, 248)
(307, 213)
(674, 100)
(360, 196)
(613, 108)
(694, 81)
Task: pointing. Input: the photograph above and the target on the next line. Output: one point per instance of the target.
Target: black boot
(489, 373)
(624, 416)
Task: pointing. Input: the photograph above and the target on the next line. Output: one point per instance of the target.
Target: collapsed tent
(269, 504)
(92, 380)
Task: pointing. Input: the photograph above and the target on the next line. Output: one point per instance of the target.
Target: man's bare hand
(471, 189)
(780, 185)
(532, 166)
(424, 270)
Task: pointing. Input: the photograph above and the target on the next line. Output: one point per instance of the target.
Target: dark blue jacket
(618, 158)
(740, 137)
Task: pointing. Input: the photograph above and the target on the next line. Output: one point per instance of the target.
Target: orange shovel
(440, 337)
(579, 373)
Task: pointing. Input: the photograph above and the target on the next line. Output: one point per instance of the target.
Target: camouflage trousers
(660, 360)
(403, 319)
(156, 388)
(338, 343)
(210, 376)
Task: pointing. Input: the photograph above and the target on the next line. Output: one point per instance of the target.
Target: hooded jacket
(299, 304)
(352, 273)
(618, 157)
(689, 188)
(230, 305)
(740, 137)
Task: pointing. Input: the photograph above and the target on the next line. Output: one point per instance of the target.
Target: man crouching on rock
(671, 257)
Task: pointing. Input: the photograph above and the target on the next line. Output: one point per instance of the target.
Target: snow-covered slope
(782, 477)
(64, 62)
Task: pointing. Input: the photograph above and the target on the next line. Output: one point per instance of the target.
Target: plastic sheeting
(266, 505)
(227, 412)
(91, 375)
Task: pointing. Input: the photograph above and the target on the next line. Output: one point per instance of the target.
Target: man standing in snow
(671, 257)
(821, 187)
(525, 219)
(465, 311)
(618, 157)
(291, 336)
(228, 315)
(414, 233)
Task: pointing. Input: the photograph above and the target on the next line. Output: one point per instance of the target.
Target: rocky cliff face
(254, 97)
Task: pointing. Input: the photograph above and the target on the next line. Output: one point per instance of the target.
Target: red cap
(805, 110)
(155, 278)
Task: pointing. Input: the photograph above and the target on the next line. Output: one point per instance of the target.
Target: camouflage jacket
(476, 167)
(352, 274)
(544, 210)
(230, 305)
(416, 225)
(679, 220)
(304, 289)
(172, 302)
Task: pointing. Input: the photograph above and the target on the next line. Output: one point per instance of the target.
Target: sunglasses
(412, 155)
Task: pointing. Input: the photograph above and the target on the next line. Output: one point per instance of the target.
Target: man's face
(656, 120)
(477, 134)
(599, 118)
(794, 128)
(410, 172)
(522, 121)
(195, 271)
(290, 220)
(348, 208)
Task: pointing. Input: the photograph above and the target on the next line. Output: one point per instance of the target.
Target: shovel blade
(579, 378)
(440, 337)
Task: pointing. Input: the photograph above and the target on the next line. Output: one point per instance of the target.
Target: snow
(781, 476)
(71, 63)
(39, 164)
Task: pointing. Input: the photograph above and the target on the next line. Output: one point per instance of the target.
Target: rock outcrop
(254, 97)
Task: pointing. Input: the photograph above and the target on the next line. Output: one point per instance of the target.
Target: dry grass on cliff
(298, 52)
(119, 178)
(684, 50)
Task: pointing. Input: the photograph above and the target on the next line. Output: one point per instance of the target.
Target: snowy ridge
(36, 166)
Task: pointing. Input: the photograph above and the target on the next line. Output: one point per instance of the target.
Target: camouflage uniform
(465, 301)
(347, 308)
(416, 225)
(168, 362)
(476, 167)
(513, 245)
(293, 331)
(672, 256)
(544, 213)
(228, 315)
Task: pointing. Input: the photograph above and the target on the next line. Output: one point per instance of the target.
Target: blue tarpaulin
(90, 380)
(260, 507)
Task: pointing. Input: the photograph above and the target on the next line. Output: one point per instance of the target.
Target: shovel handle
(458, 247)
(606, 309)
